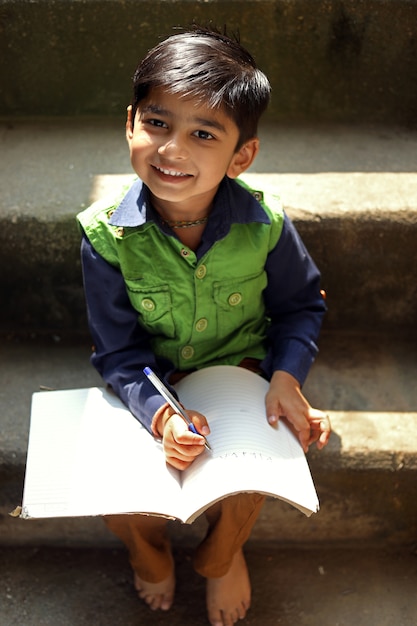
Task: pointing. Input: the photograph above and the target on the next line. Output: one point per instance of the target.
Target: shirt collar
(134, 208)
(232, 204)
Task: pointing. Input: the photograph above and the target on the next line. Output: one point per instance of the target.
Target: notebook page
(88, 455)
(121, 468)
(233, 400)
(48, 466)
(247, 453)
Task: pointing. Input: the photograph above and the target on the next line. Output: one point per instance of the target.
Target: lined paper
(248, 454)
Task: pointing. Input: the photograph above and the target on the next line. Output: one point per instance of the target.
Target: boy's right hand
(181, 446)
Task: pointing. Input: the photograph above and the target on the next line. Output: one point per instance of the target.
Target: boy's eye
(203, 134)
(156, 122)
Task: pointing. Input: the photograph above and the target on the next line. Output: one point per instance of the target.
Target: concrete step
(327, 60)
(291, 587)
(366, 478)
(351, 190)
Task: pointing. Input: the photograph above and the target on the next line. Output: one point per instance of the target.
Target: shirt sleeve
(121, 346)
(294, 304)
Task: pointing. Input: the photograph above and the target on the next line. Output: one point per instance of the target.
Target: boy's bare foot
(156, 595)
(228, 597)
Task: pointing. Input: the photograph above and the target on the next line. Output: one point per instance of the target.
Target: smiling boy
(191, 268)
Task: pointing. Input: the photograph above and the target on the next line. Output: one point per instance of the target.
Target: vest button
(148, 304)
(235, 299)
(120, 231)
(201, 325)
(201, 271)
(187, 352)
(185, 252)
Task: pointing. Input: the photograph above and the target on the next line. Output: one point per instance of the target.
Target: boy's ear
(243, 158)
(129, 124)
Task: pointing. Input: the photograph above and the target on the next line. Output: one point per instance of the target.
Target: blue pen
(172, 401)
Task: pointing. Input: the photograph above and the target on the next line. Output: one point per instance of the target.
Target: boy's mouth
(168, 172)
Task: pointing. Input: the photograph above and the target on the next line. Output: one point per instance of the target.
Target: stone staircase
(340, 146)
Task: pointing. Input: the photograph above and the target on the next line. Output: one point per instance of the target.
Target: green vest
(197, 312)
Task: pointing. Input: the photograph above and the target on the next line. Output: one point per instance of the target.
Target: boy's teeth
(171, 172)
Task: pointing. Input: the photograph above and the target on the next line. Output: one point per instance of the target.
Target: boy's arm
(294, 304)
(296, 308)
(121, 347)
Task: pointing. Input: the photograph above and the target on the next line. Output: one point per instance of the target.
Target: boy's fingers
(177, 425)
(184, 440)
(180, 455)
(321, 423)
(321, 429)
(315, 429)
(326, 430)
(271, 409)
(178, 463)
(200, 422)
(305, 438)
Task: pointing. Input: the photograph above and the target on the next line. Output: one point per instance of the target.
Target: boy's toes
(156, 595)
(228, 597)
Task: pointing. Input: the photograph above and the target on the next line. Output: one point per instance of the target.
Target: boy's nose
(173, 148)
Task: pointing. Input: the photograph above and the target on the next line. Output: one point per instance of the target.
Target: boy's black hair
(212, 67)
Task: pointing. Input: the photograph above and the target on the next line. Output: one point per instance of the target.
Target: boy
(188, 269)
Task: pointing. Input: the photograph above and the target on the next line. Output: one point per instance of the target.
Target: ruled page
(88, 455)
(248, 454)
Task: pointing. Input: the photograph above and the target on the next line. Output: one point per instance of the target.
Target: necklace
(185, 223)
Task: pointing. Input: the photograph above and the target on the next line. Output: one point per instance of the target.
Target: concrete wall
(350, 60)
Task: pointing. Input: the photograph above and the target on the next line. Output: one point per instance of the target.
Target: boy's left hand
(284, 399)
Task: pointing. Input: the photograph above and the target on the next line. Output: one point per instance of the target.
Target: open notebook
(88, 455)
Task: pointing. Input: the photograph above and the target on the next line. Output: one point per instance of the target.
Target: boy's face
(182, 150)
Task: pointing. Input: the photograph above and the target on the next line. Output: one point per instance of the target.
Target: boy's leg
(220, 557)
(150, 556)
(230, 523)
(147, 542)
